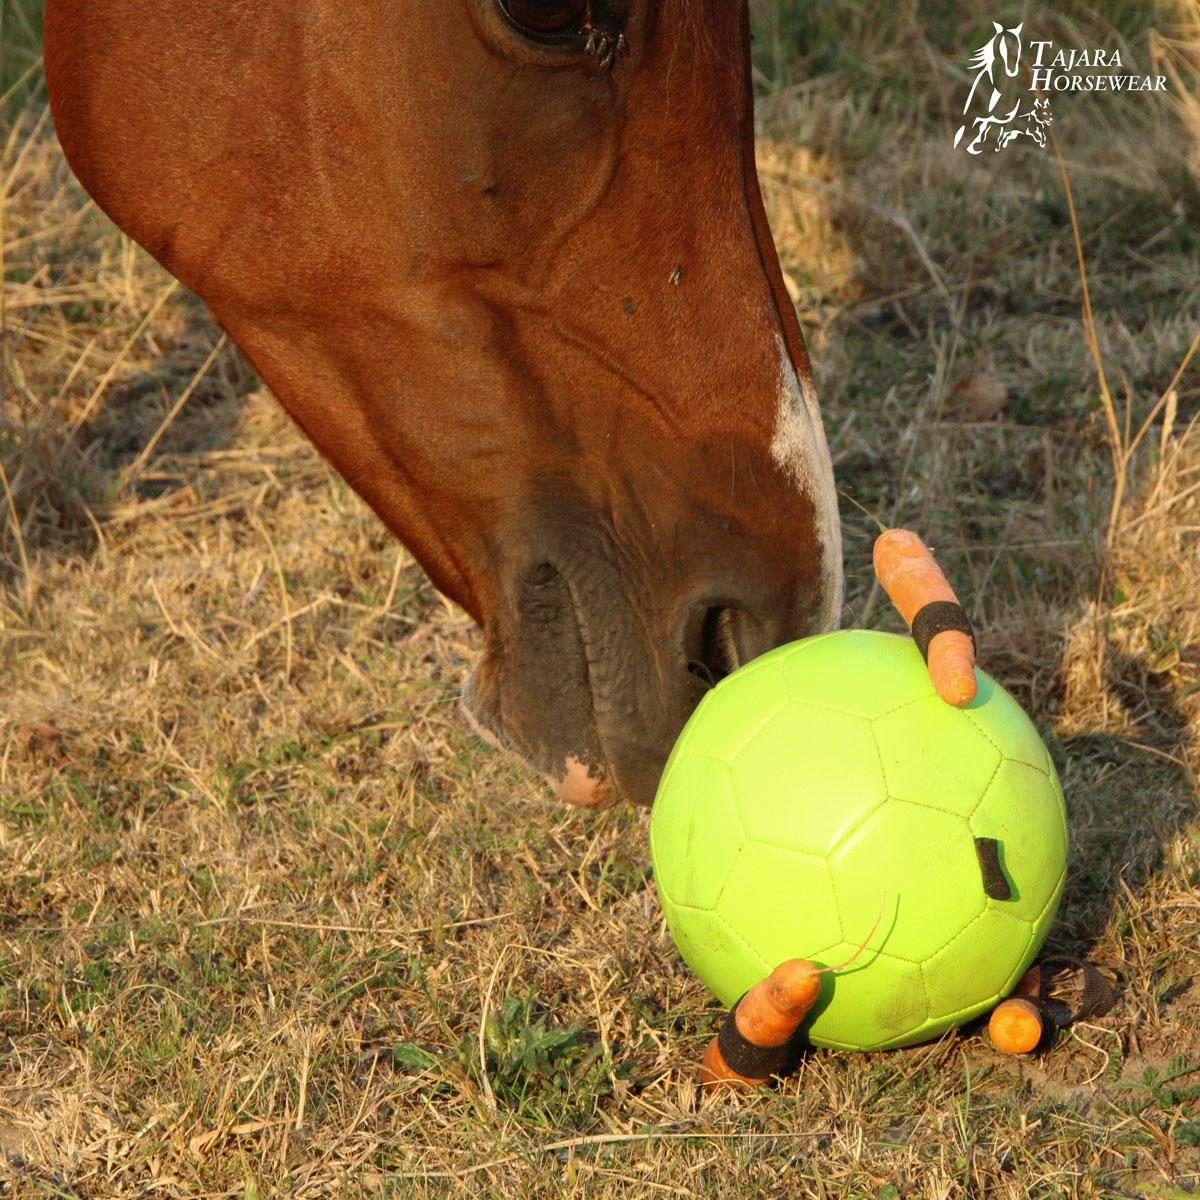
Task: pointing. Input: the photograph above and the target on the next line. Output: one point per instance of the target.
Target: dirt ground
(273, 922)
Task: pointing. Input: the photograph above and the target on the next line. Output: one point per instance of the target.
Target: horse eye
(542, 17)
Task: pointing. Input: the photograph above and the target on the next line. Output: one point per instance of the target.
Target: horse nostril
(541, 574)
(712, 647)
(542, 591)
(702, 672)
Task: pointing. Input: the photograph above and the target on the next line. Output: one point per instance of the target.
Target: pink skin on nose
(583, 789)
(578, 786)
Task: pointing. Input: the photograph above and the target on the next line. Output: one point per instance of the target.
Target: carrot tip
(959, 690)
(794, 986)
(1030, 984)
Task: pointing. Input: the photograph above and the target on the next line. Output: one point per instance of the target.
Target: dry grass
(272, 922)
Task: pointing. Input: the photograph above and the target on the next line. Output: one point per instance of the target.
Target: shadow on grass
(1129, 798)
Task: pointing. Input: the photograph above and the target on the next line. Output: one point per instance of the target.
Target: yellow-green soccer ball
(825, 783)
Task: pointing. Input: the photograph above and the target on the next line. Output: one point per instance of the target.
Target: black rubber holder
(995, 882)
(756, 1062)
(936, 617)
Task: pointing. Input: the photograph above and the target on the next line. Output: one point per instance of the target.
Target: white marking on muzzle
(800, 449)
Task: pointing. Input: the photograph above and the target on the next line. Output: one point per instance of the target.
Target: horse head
(507, 265)
(1007, 43)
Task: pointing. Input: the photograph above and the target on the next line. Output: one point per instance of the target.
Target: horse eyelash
(604, 46)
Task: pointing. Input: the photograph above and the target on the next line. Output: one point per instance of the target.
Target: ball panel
(873, 1002)
(1062, 799)
(1005, 723)
(923, 1033)
(789, 650)
(861, 671)
(934, 754)
(736, 708)
(724, 962)
(679, 750)
(1022, 811)
(781, 902)
(1041, 926)
(1026, 960)
(807, 777)
(694, 831)
(979, 961)
(921, 865)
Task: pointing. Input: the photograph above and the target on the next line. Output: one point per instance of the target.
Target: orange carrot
(912, 579)
(1016, 1025)
(764, 1020)
(1030, 984)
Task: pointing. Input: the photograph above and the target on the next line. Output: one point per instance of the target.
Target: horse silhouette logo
(998, 59)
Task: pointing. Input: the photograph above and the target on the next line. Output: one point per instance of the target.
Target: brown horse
(506, 263)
